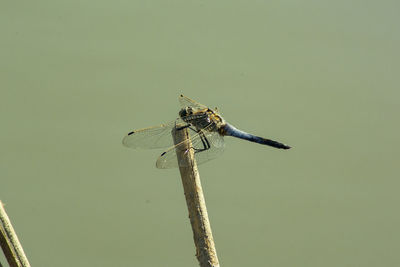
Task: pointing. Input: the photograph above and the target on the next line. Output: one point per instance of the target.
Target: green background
(322, 76)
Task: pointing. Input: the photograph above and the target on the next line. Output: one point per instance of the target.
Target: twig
(205, 249)
(7, 250)
(9, 242)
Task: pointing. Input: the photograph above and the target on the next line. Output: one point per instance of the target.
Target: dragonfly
(207, 129)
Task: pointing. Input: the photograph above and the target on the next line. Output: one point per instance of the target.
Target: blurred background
(321, 76)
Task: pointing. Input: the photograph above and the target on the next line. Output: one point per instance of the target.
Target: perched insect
(206, 127)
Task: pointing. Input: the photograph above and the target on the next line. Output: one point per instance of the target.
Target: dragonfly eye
(182, 113)
(185, 112)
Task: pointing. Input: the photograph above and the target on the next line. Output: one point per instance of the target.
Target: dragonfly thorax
(201, 118)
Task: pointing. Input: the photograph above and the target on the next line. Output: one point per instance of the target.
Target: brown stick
(7, 250)
(9, 242)
(205, 249)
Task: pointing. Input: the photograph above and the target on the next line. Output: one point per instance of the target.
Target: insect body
(207, 129)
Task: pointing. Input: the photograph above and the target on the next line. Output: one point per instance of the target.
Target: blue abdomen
(232, 131)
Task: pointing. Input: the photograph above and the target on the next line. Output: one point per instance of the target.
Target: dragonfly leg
(203, 138)
(206, 144)
(183, 127)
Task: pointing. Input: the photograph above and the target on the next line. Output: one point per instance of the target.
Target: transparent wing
(169, 159)
(187, 102)
(152, 137)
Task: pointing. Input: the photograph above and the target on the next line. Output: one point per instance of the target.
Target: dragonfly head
(185, 112)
